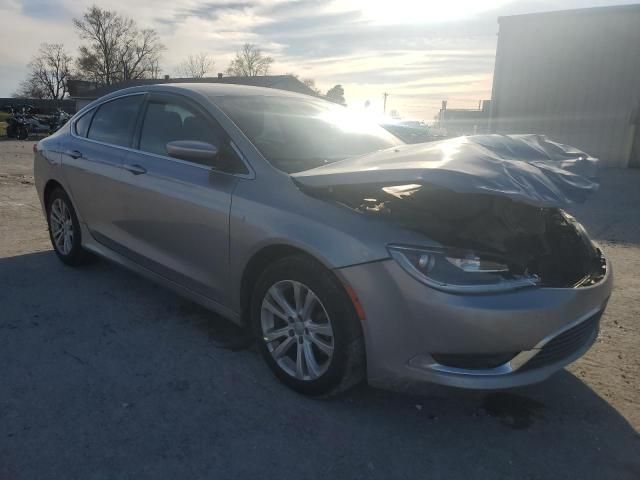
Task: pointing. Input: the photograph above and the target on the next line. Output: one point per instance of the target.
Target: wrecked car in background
(349, 254)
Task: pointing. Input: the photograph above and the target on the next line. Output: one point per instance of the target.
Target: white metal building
(573, 75)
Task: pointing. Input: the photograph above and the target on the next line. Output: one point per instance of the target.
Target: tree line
(115, 49)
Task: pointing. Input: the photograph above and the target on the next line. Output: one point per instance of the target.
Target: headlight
(459, 271)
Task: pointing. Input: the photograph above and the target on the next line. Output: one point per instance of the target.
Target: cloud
(420, 51)
(44, 9)
(207, 10)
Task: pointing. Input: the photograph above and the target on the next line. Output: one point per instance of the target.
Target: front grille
(565, 344)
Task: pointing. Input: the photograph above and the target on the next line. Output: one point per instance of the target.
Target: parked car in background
(413, 123)
(347, 253)
(408, 133)
(413, 131)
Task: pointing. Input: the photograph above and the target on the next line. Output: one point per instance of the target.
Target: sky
(420, 52)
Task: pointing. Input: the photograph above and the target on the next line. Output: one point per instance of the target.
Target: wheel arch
(258, 262)
(354, 355)
(49, 187)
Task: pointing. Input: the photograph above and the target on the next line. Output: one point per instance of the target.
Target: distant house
(464, 121)
(84, 92)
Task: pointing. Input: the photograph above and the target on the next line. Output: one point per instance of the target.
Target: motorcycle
(18, 124)
(17, 127)
(24, 122)
(58, 119)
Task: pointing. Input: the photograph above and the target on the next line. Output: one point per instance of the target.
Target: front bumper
(407, 322)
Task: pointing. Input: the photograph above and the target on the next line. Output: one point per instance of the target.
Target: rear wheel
(307, 329)
(22, 132)
(64, 229)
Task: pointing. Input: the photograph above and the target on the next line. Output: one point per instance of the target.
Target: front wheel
(307, 328)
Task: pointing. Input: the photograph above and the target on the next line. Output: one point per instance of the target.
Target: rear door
(176, 213)
(93, 158)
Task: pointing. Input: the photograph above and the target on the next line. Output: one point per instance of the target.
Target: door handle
(135, 169)
(73, 153)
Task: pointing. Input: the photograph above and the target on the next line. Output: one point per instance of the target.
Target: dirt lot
(106, 375)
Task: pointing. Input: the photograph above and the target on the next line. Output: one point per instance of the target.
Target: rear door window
(114, 122)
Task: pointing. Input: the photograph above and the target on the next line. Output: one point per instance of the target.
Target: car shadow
(104, 372)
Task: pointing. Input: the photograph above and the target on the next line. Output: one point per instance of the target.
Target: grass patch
(3, 123)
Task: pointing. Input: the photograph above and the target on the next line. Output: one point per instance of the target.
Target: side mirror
(193, 151)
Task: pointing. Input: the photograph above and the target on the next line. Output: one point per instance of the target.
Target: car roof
(207, 90)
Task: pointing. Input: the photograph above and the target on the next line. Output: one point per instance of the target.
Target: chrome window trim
(95, 107)
(91, 106)
(247, 176)
(73, 123)
(250, 175)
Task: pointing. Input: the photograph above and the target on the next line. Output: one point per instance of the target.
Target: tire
(63, 222)
(22, 133)
(331, 321)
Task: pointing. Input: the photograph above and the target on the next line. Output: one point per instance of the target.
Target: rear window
(114, 121)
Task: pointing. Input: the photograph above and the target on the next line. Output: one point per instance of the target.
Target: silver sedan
(347, 254)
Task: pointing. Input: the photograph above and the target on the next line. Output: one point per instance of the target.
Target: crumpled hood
(526, 168)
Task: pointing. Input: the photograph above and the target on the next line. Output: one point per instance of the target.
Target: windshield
(296, 134)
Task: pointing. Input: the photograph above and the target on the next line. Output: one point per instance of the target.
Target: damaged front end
(488, 242)
(491, 202)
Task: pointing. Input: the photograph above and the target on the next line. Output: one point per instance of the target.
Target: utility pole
(384, 107)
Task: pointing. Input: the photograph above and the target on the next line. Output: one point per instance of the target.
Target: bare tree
(117, 49)
(49, 71)
(311, 83)
(250, 62)
(30, 88)
(154, 69)
(196, 66)
(140, 55)
(336, 95)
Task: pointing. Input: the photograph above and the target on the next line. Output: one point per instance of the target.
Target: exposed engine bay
(545, 242)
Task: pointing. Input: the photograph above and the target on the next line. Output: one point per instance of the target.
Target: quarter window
(115, 121)
(82, 124)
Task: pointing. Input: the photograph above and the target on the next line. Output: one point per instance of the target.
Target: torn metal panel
(545, 242)
(531, 169)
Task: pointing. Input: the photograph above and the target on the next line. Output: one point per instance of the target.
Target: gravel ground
(105, 375)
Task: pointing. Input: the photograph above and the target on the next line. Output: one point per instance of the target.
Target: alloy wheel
(297, 330)
(61, 225)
